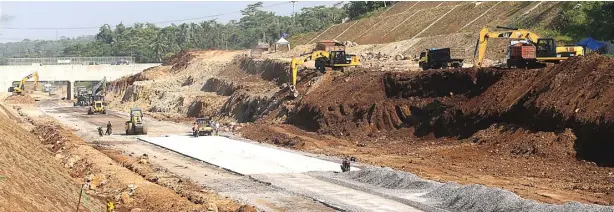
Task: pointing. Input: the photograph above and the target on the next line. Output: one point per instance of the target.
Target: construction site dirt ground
(129, 180)
(491, 127)
(536, 133)
(550, 181)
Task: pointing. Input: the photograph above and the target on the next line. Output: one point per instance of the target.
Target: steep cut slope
(408, 20)
(31, 179)
(407, 28)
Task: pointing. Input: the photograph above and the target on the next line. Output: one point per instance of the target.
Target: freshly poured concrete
(242, 157)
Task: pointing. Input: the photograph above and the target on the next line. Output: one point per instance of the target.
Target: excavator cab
(338, 57)
(546, 47)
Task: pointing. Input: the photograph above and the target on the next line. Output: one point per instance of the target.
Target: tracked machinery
(534, 51)
(327, 55)
(19, 89)
(136, 125)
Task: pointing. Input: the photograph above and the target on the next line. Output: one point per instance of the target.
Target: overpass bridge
(69, 73)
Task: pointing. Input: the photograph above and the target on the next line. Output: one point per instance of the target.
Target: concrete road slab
(242, 157)
(344, 198)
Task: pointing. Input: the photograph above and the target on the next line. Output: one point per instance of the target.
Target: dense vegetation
(362, 9)
(150, 43)
(39, 48)
(584, 19)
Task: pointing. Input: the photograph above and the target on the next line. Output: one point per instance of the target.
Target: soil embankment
(32, 179)
(505, 123)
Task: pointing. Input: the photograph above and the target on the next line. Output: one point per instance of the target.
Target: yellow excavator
(546, 49)
(327, 54)
(20, 88)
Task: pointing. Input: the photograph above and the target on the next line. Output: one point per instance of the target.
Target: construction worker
(345, 165)
(195, 129)
(109, 131)
(100, 131)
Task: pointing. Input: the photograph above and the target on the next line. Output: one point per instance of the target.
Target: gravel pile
(388, 178)
(452, 196)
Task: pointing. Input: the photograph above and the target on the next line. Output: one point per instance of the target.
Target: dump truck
(441, 58)
(521, 54)
(136, 125)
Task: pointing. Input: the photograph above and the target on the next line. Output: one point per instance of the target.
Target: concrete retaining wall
(71, 73)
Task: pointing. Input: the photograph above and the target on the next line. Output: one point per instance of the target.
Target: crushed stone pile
(448, 196)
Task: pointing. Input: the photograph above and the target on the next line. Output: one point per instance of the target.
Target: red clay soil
(543, 134)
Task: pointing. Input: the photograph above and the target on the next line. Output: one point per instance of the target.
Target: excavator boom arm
(26, 78)
(485, 34)
(296, 62)
(103, 84)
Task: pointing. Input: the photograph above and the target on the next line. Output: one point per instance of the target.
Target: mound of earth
(18, 99)
(488, 126)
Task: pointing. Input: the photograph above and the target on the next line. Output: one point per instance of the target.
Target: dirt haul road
(267, 190)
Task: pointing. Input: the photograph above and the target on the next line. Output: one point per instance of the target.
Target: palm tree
(184, 35)
(159, 47)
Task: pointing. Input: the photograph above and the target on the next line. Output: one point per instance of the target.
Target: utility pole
(293, 12)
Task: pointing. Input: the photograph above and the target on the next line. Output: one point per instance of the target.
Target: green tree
(584, 19)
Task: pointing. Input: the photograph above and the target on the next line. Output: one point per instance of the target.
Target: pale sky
(94, 14)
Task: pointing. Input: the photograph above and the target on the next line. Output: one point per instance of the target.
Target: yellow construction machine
(136, 125)
(327, 54)
(546, 49)
(97, 105)
(18, 90)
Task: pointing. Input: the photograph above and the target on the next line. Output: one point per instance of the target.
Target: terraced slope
(410, 20)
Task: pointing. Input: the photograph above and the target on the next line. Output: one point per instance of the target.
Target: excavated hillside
(228, 86)
(507, 124)
(410, 20)
(364, 104)
(31, 179)
(441, 124)
(458, 103)
(407, 28)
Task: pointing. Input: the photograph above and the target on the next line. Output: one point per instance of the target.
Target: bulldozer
(136, 125)
(327, 55)
(19, 89)
(97, 106)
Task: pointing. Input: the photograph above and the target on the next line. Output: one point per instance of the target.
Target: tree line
(150, 43)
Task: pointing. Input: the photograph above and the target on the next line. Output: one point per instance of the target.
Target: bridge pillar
(70, 89)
